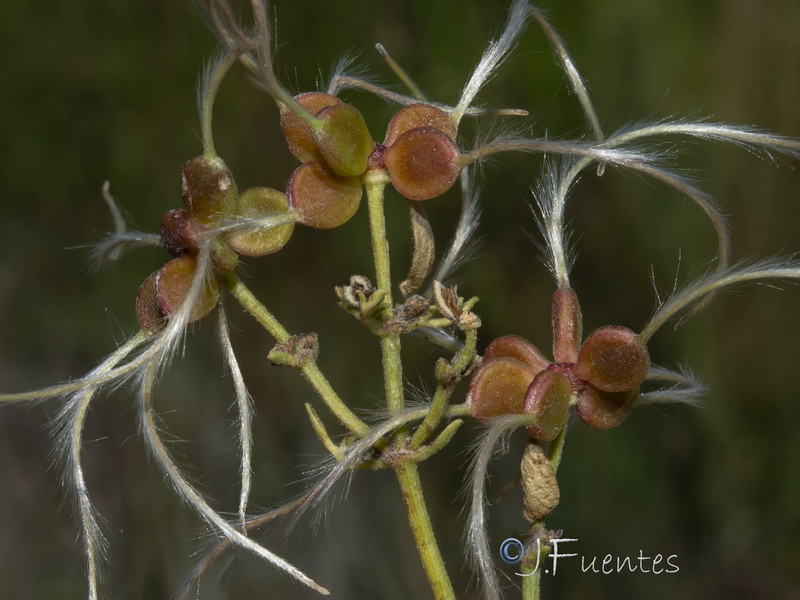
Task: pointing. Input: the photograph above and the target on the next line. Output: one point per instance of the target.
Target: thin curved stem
(314, 495)
(310, 369)
(274, 87)
(713, 282)
(245, 419)
(69, 440)
(160, 348)
(401, 73)
(572, 72)
(211, 82)
(193, 497)
(443, 392)
(344, 82)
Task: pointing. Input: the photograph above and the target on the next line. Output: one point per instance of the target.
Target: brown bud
(359, 292)
(255, 203)
(515, 346)
(321, 198)
(301, 140)
(423, 163)
(209, 190)
(498, 387)
(613, 359)
(419, 115)
(548, 397)
(540, 493)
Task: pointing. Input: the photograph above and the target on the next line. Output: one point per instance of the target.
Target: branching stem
(310, 369)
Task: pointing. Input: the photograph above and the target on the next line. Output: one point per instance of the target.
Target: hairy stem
(532, 578)
(418, 518)
(70, 441)
(271, 83)
(212, 82)
(390, 341)
(245, 415)
(407, 474)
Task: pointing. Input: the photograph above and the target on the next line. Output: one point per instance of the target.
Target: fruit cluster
(419, 154)
(601, 376)
(212, 200)
(330, 138)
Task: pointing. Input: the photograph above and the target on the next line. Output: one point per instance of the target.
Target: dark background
(95, 91)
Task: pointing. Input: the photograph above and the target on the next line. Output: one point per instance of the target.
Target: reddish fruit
(498, 387)
(180, 233)
(419, 115)
(172, 283)
(301, 141)
(344, 140)
(256, 203)
(147, 310)
(320, 197)
(516, 347)
(604, 410)
(423, 163)
(613, 359)
(548, 397)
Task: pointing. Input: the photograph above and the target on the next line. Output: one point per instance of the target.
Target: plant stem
(418, 518)
(390, 341)
(532, 567)
(443, 392)
(531, 585)
(407, 474)
(557, 449)
(310, 369)
(215, 78)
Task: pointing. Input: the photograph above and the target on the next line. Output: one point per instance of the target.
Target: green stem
(532, 584)
(418, 518)
(310, 369)
(532, 566)
(443, 391)
(407, 474)
(209, 95)
(557, 449)
(274, 87)
(390, 341)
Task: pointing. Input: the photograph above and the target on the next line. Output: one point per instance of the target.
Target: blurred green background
(96, 91)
